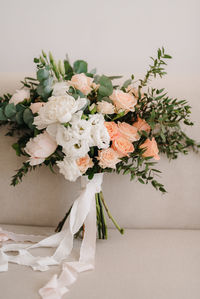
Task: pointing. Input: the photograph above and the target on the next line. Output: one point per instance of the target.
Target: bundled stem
(101, 220)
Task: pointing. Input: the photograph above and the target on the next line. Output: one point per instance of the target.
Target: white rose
(76, 148)
(105, 107)
(81, 128)
(19, 96)
(99, 134)
(58, 110)
(72, 147)
(60, 89)
(39, 148)
(69, 169)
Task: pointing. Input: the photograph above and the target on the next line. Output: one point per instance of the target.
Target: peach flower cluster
(82, 83)
(123, 101)
(142, 125)
(122, 136)
(151, 149)
(84, 163)
(108, 158)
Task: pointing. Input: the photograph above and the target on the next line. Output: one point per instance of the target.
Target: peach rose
(105, 107)
(122, 146)
(40, 147)
(112, 129)
(35, 107)
(108, 158)
(123, 100)
(84, 163)
(82, 83)
(128, 131)
(151, 149)
(142, 125)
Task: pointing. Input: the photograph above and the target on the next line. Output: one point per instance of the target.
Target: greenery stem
(121, 230)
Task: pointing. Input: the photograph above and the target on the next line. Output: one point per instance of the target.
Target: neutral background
(117, 37)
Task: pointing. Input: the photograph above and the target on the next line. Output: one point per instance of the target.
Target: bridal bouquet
(84, 124)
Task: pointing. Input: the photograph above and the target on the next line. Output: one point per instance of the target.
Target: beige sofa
(157, 258)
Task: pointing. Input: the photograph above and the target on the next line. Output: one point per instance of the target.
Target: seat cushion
(141, 264)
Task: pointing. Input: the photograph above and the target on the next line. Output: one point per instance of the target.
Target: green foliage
(157, 68)
(10, 110)
(17, 178)
(68, 70)
(106, 87)
(80, 66)
(140, 168)
(165, 116)
(45, 78)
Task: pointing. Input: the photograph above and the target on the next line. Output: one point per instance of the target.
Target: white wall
(117, 37)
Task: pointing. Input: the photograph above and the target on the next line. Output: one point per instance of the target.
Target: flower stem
(62, 222)
(103, 220)
(98, 216)
(121, 230)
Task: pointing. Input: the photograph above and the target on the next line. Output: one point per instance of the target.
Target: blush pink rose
(151, 149)
(108, 158)
(112, 129)
(142, 125)
(123, 100)
(84, 163)
(128, 131)
(122, 146)
(40, 147)
(82, 83)
(35, 107)
(105, 107)
(20, 95)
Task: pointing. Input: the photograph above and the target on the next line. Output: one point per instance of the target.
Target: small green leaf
(127, 83)
(28, 116)
(2, 115)
(80, 66)
(115, 77)
(42, 74)
(17, 149)
(106, 87)
(19, 117)
(141, 180)
(68, 70)
(10, 110)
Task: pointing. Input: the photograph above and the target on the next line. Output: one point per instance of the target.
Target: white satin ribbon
(83, 212)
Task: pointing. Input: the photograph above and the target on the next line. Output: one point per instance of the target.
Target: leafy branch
(157, 68)
(21, 172)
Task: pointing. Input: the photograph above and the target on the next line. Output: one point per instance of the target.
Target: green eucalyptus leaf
(47, 82)
(127, 83)
(19, 117)
(2, 115)
(10, 110)
(80, 66)
(28, 116)
(106, 87)
(42, 74)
